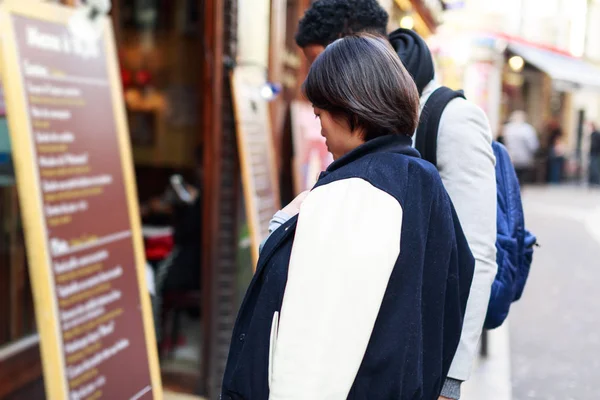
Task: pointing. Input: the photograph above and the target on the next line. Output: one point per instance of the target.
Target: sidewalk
(491, 375)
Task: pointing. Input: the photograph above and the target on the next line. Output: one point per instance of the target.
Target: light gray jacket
(466, 164)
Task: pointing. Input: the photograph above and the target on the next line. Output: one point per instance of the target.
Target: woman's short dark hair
(362, 79)
(327, 20)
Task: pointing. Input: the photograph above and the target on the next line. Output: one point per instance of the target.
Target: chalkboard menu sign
(255, 147)
(77, 191)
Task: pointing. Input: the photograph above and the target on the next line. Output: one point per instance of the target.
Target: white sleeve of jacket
(346, 245)
(466, 163)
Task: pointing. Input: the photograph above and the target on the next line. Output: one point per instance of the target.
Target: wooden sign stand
(78, 197)
(257, 155)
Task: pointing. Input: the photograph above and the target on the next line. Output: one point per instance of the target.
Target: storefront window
(161, 61)
(17, 318)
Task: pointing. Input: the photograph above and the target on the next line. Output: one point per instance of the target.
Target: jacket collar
(384, 144)
(427, 91)
(431, 87)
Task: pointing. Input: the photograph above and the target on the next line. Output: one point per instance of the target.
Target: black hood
(415, 56)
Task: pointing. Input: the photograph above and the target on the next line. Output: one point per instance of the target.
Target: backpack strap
(429, 122)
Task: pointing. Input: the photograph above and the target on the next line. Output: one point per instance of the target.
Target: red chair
(158, 243)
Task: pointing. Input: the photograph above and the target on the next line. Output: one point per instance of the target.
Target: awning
(568, 73)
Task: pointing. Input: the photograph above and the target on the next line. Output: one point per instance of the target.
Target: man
(594, 176)
(521, 142)
(465, 158)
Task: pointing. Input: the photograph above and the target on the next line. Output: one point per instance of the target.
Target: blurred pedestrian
(465, 158)
(180, 271)
(522, 142)
(556, 154)
(594, 172)
(362, 295)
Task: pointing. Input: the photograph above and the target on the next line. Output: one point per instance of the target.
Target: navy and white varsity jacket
(362, 295)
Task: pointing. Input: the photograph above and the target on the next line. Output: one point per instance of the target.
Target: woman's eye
(317, 116)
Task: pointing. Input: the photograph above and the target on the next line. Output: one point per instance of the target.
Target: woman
(361, 295)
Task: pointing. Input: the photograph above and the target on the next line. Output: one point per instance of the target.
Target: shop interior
(159, 45)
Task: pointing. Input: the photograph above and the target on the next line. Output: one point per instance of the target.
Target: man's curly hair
(328, 20)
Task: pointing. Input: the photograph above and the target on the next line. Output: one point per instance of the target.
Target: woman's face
(340, 139)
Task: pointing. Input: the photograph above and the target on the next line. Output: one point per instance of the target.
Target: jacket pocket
(273, 343)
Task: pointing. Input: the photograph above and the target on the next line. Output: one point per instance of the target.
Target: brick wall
(224, 282)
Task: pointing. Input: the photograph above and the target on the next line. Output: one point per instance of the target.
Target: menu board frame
(28, 186)
(246, 84)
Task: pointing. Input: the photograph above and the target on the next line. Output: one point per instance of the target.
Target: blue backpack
(514, 244)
